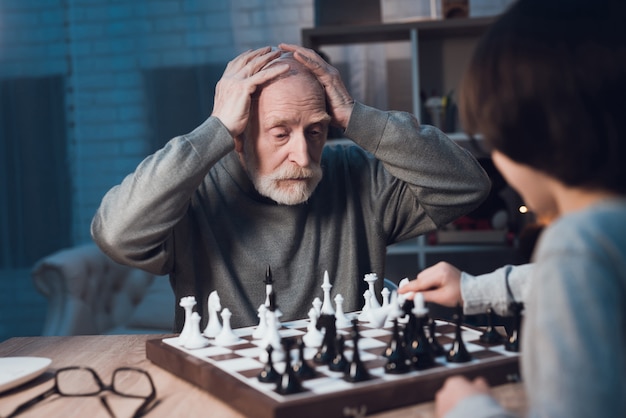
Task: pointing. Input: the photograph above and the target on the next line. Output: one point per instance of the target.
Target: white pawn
(272, 337)
(341, 319)
(317, 304)
(313, 338)
(226, 335)
(214, 305)
(371, 278)
(261, 329)
(419, 308)
(187, 303)
(401, 298)
(327, 306)
(385, 294)
(195, 338)
(367, 296)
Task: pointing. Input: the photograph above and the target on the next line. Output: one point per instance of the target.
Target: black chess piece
(491, 336)
(339, 362)
(458, 353)
(435, 346)
(398, 361)
(289, 382)
(513, 341)
(326, 352)
(356, 370)
(418, 348)
(302, 368)
(269, 373)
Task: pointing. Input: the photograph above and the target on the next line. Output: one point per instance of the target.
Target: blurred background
(88, 88)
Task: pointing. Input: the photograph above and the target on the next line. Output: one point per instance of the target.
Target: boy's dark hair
(547, 87)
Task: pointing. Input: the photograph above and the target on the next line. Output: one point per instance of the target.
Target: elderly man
(254, 186)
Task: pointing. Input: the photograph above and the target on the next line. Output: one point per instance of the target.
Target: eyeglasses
(129, 382)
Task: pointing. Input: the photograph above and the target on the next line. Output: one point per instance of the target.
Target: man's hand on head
(340, 101)
(240, 80)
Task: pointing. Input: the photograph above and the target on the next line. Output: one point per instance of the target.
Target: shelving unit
(425, 36)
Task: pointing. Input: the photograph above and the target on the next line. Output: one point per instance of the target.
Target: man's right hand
(240, 80)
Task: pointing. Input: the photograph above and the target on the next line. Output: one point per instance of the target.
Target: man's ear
(239, 142)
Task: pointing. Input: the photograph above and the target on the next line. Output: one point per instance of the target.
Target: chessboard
(230, 372)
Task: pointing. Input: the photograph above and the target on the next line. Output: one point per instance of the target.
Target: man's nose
(299, 152)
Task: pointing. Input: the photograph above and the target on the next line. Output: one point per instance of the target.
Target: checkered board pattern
(230, 372)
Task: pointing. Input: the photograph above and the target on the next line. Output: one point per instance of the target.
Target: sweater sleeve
(490, 290)
(135, 218)
(435, 181)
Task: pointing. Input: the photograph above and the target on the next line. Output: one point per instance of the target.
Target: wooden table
(176, 397)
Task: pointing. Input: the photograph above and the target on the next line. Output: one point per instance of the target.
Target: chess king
(255, 185)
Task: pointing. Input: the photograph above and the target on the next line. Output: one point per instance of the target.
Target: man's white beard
(270, 185)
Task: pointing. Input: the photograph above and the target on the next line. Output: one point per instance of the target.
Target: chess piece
(187, 303)
(398, 361)
(261, 329)
(272, 336)
(289, 382)
(356, 370)
(367, 297)
(313, 337)
(268, 285)
(302, 368)
(418, 346)
(341, 320)
(317, 304)
(327, 306)
(491, 336)
(385, 294)
(226, 335)
(513, 341)
(326, 352)
(371, 278)
(339, 362)
(214, 305)
(195, 339)
(458, 353)
(435, 346)
(269, 373)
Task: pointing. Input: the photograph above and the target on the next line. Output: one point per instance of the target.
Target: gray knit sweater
(190, 211)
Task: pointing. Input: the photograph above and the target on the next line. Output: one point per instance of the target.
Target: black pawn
(435, 346)
(356, 371)
(339, 363)
(302, 368)
(269, 373)
(420, 352)
(398, 361)
(289, 382)
(491, 336)
(458, 353)
(326, 353)
(513, 342)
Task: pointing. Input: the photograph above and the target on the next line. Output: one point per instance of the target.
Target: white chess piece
(367, 297)
(419, 308)
(272, 337)
(341, 319)
(317, 304)
(195, 338)
(313, 338)
(401, 298)
(261, 329)
(371, 278)
(226, 335)
(187, 303)
(327, 306)
(385, 294)
(214, 305)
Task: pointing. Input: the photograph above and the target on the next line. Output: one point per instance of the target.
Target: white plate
(17, 370)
